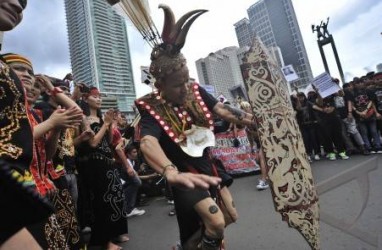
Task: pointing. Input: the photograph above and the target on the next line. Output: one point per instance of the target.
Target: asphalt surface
(350, 194)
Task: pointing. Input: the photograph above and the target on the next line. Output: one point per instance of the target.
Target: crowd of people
(344, 123)
(66, 168)
(84, 162)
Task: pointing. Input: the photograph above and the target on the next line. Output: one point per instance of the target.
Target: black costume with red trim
(20, 204)
(157, 120)
(64, 217)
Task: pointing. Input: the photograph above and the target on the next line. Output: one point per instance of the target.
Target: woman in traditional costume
(60, 230)
(102, 177)
(20, 204)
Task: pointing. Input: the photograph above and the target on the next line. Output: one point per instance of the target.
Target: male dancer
(176, 130)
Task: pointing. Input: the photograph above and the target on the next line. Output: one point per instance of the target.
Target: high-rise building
(221, 70)
(379, 67)
(99, 49)
(244, 32)
(275, 22)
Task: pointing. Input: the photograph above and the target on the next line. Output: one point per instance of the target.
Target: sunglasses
(23, 3)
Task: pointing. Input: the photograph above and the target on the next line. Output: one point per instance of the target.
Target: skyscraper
(275, 22)
(221, 70)
(99, 49)
(244, 32)
(379, 67)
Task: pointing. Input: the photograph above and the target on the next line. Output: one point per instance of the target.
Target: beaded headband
(15, 58)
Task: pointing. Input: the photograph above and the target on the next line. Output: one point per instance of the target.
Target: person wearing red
(46, 135)
(20, 204)
(102, 177)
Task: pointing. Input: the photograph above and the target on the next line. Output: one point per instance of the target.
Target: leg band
(209, 243)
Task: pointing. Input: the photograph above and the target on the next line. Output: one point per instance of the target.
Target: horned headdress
(165, 56)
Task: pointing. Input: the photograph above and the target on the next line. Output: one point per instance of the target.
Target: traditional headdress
(165, 56)
(15, 58)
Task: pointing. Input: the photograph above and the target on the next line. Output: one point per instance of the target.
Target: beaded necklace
(175, 123)
(167, 115)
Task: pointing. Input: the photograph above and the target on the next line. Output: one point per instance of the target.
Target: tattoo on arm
(213, 209)
(239, 114)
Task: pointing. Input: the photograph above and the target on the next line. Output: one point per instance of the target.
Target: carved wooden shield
(293, 188)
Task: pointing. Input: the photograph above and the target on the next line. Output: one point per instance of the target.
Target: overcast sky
(356, 26)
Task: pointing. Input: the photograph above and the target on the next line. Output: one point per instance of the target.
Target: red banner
(236, 160)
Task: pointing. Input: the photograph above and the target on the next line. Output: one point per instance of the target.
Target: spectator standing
(64, 158)
(308, 126)
(365, 113)
(45, 135)
(253, 139)
(330, 125)
(132, 183)
(349, 123)
(378, 102)
(109, 213)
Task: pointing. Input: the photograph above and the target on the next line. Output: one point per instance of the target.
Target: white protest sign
(325, 85)
(289, 73)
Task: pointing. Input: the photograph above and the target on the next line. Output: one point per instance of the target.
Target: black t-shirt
(150, 126)
(327, 102)
(305, 114)
(360, 99)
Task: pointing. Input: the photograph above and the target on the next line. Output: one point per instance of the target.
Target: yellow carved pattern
(293, 188)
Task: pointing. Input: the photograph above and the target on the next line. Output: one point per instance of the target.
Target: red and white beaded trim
(181, 112)
(207, 113)
(167, 128)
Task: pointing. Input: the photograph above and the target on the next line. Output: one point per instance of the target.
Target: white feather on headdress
(166, 56)
(138, 12)
(174, 33)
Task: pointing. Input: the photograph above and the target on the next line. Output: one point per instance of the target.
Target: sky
(356, 26)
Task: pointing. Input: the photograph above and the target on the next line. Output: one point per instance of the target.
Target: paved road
(342, 200)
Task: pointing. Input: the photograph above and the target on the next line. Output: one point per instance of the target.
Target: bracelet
(166, 167)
